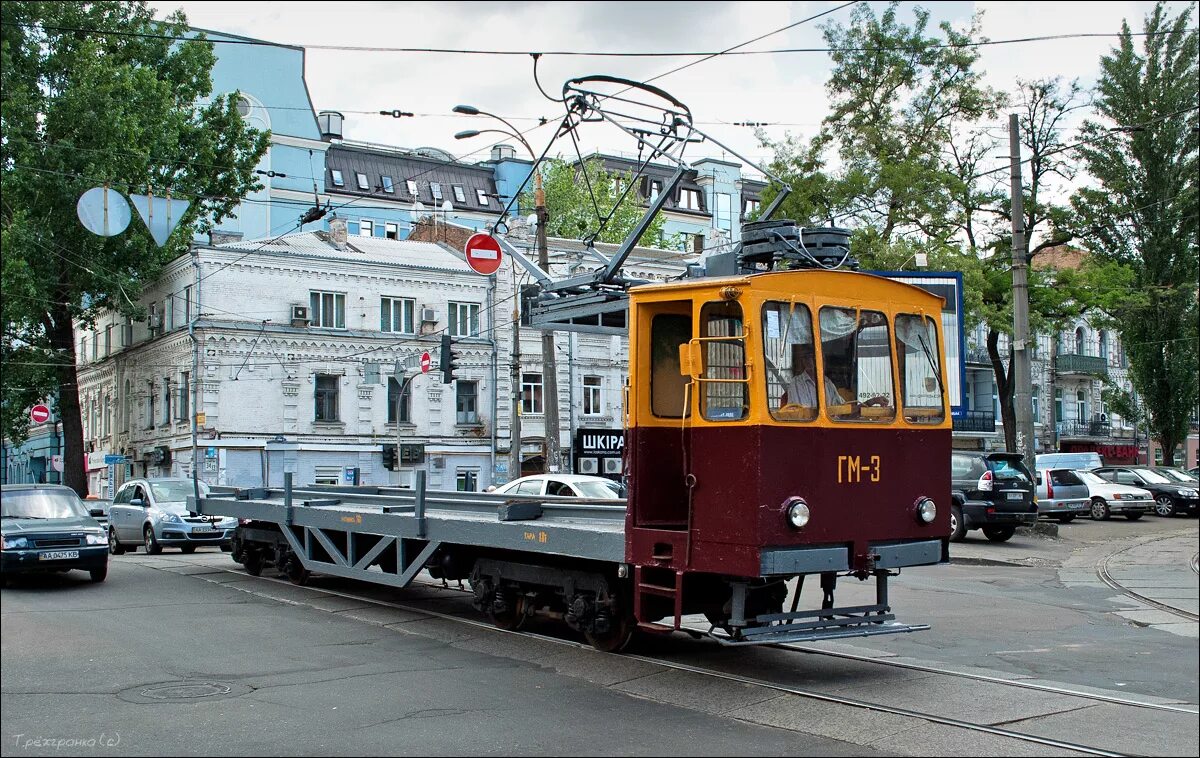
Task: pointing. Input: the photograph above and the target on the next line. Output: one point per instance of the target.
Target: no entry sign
(426, 361)
(483, 254)
(39, 414)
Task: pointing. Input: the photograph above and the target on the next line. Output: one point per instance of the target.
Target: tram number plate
(59, 555)
(1016, 496)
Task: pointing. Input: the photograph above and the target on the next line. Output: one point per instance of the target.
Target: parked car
(1076, 461)
(565, 485)
(1061, 495)
(154, 512)
(1109, 498)
(45, 527)
(1178, 475)
(98, 507)
(990, 491)
(1170, 496)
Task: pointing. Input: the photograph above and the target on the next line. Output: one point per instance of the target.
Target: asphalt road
(152, 662)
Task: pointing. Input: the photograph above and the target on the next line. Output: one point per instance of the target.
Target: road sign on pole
(39, 414)
(426, 361)
(483, 254)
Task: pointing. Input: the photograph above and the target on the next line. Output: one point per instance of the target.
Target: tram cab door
(659, 490)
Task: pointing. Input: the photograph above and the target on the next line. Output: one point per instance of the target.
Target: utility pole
(514, 424)
(1020, 370)
(551, 453)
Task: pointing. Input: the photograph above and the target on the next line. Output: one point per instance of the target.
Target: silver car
(1062, 495)
(154, 513)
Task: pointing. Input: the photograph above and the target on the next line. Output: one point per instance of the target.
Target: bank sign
(599, 442)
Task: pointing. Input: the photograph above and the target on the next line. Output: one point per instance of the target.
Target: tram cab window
(668, 387)
(920, 367)
(857, 358)
(790, 362)
(725, 395)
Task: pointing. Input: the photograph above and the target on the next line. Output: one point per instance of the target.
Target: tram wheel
(296, 573)
(511, 618)
(252, 562)
(616, 639)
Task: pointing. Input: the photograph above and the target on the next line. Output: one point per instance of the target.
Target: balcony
(1090, 365)
(978, 356)
(1084, 430)
(976, 421)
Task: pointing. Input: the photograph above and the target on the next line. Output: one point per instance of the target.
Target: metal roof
(359, 249)
(405, 167)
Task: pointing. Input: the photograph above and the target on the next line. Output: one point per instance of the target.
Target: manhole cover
(182, 692)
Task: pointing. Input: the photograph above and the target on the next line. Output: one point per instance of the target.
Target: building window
(169, 307)
(412, 187)
(155, 320)
(591, 396)
(185, 386)
(1104, 346)
(108, 340)
(483, 197)
(338, 181)
(405, 402)
(697, 243)
(724, 212)
(149, 404)
(327, 474)
(326, 396)
(689, 199)
(127, 406)
(391, 231)
(187, 304)
(366, 228)
(1081, 406)
(464, 319)
(396, 315)
(388, 186)
(83, 349)
(327, 309)
(459, 195)
(363, 184)
(655, 189)
(95, 345)
(467, 480)
(436, 189)
(104, 418)
(466, 402)
(750, 208)
(1036, 405)
(531, 393)
(1058, 405)
(1080, 344)
(166, 401)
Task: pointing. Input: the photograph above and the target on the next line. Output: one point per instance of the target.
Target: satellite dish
(447, 206)
(103, 211)
(532, 220)
(418, 209)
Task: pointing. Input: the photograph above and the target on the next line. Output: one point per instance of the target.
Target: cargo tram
(786, 418)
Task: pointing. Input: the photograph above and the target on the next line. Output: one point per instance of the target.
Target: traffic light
(389, 457)
(449, 360)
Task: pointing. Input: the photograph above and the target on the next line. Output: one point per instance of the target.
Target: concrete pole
(514, 424)
(1020, 370)
(551, 453)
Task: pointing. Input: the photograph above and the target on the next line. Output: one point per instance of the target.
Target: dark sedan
(45, 527)
(1170, 497)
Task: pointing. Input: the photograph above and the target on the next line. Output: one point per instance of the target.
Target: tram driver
(802, 389)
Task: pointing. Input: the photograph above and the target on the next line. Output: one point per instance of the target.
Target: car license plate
(1016, 495)
(59, 555)
(1080, 506)
(199, 533)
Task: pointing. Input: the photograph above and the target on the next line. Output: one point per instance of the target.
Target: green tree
(1141, 211)
(98, 93)
(578, 197)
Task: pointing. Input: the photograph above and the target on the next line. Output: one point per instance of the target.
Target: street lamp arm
(476, 132)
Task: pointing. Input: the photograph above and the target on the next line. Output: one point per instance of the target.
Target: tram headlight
(926, 510)
(796, 511)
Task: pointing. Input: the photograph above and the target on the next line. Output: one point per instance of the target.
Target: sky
(786, 91)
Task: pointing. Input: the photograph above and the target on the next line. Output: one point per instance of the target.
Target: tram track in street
(1105, 573)
(998, 730)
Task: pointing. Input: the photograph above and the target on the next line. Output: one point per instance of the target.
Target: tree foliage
(98, 94)
(578, 196)
(1140, 211)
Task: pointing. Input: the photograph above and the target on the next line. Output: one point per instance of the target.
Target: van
(1077, 461)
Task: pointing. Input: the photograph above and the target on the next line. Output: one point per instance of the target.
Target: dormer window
(363, 184)
(338, 181)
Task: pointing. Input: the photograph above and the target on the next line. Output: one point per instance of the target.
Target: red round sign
(40, 414)
(483, 253)
(425, 363)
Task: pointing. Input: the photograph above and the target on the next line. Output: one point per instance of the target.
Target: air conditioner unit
(300, 315)
(155, 321)
(429, 315)
(439, 463)
(587, 465)
(612, 465)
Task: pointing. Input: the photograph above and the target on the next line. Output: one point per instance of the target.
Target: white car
(1108, 498)
(564, 485)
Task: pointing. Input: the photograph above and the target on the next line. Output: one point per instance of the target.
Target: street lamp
(552, 456)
